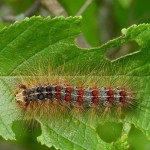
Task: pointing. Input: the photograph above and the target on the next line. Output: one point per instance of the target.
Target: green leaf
(40, 39)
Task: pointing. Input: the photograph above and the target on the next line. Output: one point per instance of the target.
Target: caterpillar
(69, 95)
(75, 96)
(46, 92)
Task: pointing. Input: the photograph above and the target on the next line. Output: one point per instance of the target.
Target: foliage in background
(125, 13)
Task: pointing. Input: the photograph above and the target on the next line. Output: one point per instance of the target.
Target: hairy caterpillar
(75, 96)
(50, 93)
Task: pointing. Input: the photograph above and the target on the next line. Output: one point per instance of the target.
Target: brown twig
(54, 7)
(84, 7)
(32, 9)
(27, 13)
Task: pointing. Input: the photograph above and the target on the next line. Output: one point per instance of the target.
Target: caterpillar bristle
(49, 99)
(56, 93)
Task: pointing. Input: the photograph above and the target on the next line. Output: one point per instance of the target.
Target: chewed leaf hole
(122, 50)
(137, 139)
(110, 131)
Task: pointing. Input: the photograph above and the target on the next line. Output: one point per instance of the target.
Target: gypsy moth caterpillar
(45, 91)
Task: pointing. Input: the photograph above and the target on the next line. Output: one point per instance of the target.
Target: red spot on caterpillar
(95, 99)
(110, 92)
(80, 99)
(122, 93)
(122, 99)
(80, 92)
(58, 88)
(110, 99)
(58, 96)
(68, 97)
(68, 89)
(95, 92)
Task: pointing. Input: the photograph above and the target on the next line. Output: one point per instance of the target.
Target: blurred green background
(102, 21)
